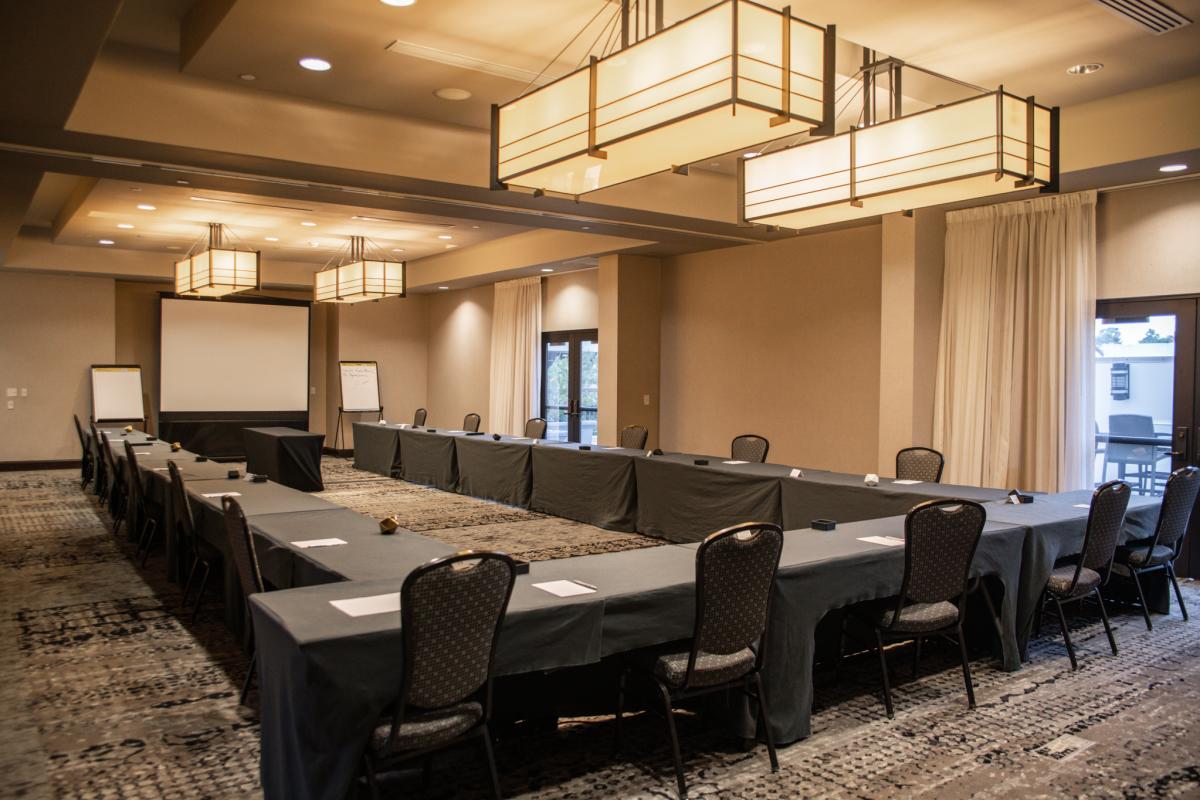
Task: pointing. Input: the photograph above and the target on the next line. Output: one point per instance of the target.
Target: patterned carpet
(107, 693)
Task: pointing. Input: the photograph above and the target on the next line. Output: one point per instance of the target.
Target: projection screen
(233, 356)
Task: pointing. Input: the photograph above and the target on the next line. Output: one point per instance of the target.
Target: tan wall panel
(570, 301)
(780, 339)
(52, 329)
(1148, 241)
(460, 354)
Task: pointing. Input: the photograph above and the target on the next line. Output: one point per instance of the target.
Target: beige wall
(51, 329)
(569, 301)
(630, 330)
(392, 332)
(460, 355)
(780, 339)
(1148, 241)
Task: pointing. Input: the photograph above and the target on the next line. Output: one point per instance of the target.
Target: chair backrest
(535, 428)
(1106, 518)
(102, 474)
(735, 573)
(919, 464)
(241, 547)
(83, 443)
(1130, 425)
(749, 447)
(450, 614)
(471, 423)
(181, 508)
(1178, 503)
(133, 477)
(940, 538)
(633, 437)
(419, 417)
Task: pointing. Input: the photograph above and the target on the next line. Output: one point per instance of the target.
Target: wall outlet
(312, 390)
(645, 399)
(11, 391)
(24, 392)
(11, 405)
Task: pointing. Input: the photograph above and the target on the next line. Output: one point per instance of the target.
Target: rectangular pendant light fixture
(218, 270)
(362, 279)
(727, 78)
(988, 144)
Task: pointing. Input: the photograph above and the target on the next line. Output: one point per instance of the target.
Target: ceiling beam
(17, 187)
(198, 25)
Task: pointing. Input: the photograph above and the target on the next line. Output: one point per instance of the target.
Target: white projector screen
(233, 356)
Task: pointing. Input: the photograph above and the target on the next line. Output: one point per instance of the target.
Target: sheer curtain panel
(516, 345)
(1013, 403)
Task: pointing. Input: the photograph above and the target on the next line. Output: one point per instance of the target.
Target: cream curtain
(1013, 404)
(516, 342)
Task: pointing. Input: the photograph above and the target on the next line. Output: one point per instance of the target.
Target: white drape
(1013, 404)
(516, 342)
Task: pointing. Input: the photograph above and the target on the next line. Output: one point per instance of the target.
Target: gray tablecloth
(495, 470)
(845, 498)
(1054, 529)
(429, 458)
(595, 486)
(377, 448)
(285, 455)
(682, 502)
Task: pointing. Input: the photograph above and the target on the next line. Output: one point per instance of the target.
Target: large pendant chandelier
(988, 144)
(725, 79)
(361, 278)
(217, 270)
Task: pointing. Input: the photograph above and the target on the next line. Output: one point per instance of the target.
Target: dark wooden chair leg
(680, 782)
(883, 671)
(249, 677)
(621, 681)
(766, 721)
(491, 759)
(1178, 594)
(1062, 621)
(200, 593)
(1041, 612)
(966, 666)
(1112, 642)
(372, 781)
(1137, 582)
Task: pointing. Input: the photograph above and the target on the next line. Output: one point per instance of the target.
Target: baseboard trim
(15, 466)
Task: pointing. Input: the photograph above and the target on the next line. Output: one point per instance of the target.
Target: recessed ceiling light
(308, 224)
(125, 226)
(398, 3)
(174, 247)
(1084, 69)
(314, 244)
(453, 93)
(182, 182)
(475, 227)
(271, 238)
(247, 76)
(1172, 168)
(146, 207)
(451, 246)
(107, 241)
(751, 154)
(547, 269)
(715, 164)
(443, 288)
(397, 249)
(445, 236)
(586, 228)
(316, 64)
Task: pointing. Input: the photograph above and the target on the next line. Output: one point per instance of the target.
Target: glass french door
(570, 385)
(1147, 404)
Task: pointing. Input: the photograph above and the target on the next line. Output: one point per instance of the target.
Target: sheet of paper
(222, 494)
(142, 453)
(562, 588)
(886, 541)
(161, 469)
(365, 606)
(1081, 505)
(319, 542)
(796, 473)
(906, 482)
(455, 431)
(735, 462)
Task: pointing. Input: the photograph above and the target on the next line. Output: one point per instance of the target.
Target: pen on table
(585, 585)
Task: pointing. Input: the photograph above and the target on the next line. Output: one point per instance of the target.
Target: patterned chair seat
(1060, 579)
(920, 617)
(711, 668)
(428, 729)
(1143, 556)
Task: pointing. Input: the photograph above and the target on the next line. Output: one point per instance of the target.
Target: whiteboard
(117, 393)
(360, 385)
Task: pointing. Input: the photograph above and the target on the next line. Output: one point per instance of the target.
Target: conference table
(326, 675)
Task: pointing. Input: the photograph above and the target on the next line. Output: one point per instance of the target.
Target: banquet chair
(749, 447)
(1143, 458)
(535, 428)
(114, 494)
(450, 614)
(633, 437)
(137, 510)
(1159, 551)
(183, 526)
(471, 423)
(1076, 582)
(919, 464)
(85, 458)
(940, 539)
(419, 417)
(245, 559)
(101, 479)
(735, 575)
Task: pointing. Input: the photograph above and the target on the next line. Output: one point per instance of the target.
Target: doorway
(571, 385)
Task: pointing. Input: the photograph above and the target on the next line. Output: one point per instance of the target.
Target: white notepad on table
(319, 542)
(906, 482)
(1081, 505)
(222, 494)
(886, 541)
(365, 606)
(142, 453)
(735, 462)
(563, 588)
(161, 469)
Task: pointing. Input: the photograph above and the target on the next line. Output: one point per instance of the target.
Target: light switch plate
(645, 399)
(24, 392)
(11, 405)
(11, 391)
